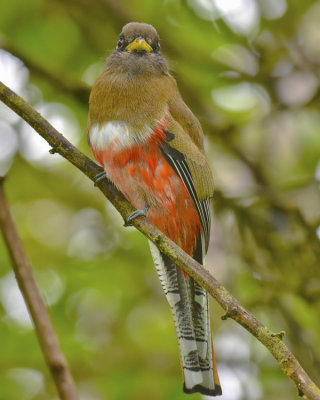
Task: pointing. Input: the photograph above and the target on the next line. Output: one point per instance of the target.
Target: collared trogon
(151, 147)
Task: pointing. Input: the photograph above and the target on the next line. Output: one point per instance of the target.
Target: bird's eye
(120, 42)
(157, 46)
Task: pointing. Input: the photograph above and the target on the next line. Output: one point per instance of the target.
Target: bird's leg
(138, 213)
(101, 175)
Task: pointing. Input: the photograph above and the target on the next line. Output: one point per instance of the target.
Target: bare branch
(234, 310)
(46, 335)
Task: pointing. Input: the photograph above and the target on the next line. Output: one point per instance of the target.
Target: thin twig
(46, 335)
(233, 309)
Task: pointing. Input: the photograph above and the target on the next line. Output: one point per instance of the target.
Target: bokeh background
(249, 69)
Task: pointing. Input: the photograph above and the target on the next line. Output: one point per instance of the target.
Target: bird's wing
(187, 137)
(186, 156)
(179, 162)
(182, 115)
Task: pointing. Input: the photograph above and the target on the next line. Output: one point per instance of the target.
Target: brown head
(137, 52)
(138, 37)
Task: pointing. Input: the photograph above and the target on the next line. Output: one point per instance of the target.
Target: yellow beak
(139, 44)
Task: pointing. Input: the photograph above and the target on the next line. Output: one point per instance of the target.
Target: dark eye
(156, 46)
(120, 42)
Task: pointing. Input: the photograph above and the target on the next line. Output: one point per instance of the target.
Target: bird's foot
(99, 177)
(138, 213)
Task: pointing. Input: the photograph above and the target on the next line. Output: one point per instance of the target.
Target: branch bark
(233, 308)
(46, 335)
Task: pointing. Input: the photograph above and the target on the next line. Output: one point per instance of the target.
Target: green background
(249, 70)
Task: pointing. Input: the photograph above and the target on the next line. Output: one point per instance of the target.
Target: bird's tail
(189, 306)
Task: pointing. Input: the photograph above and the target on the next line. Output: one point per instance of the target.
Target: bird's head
(138, 38)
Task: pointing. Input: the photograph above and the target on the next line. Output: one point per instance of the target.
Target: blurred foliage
(249, 69)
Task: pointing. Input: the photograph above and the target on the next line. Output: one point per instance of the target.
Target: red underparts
(143, 175)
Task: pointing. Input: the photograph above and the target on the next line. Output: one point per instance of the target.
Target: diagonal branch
(234, 310)
(46, 335)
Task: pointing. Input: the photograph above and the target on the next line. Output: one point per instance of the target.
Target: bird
(151, 146)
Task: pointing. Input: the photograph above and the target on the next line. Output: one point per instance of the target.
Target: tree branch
(46, 335)
(234, 310)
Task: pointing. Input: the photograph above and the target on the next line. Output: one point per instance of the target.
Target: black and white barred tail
(189, 305)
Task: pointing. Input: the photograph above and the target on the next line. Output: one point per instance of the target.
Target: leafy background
(249, 69)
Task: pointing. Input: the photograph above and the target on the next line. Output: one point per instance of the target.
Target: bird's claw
(99, 177)
(138, 213)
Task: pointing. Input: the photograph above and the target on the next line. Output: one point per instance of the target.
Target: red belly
(143, 175)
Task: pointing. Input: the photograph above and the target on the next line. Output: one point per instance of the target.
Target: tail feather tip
(217, 391)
